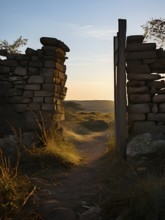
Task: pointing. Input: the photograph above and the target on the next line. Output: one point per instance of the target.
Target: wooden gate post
(120, 88)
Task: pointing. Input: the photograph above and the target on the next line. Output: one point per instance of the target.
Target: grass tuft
(15, 189)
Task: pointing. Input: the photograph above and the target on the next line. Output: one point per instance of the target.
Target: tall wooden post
(120, 89)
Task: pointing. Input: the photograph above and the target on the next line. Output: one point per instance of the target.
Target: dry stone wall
(33, 84)
(145, 67)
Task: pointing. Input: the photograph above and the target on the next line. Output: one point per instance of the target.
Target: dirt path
(79, 187)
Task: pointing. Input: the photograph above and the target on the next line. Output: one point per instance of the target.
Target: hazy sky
(87, 27)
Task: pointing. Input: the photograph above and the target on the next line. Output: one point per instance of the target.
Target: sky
(87, 27)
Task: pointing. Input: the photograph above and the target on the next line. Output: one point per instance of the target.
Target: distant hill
(90, 105)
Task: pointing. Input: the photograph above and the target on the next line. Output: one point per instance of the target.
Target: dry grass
(15, 189)
(130, 195)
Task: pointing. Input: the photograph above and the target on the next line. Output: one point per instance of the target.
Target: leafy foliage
(13, 48)
(154, 29)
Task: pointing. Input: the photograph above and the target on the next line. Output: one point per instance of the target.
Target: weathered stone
(43, 93)
(28, 94)
(38, 99)
(34, 106)
(139, 89)
(159, 98)
(161, 91)
(27, 100)
(141, 47)
(11, 63)
(60, 67)
(141, 55)
(48, 106)
(156, 117)
(30, 51)
(135, 38)
(48, 87)
(32, 71)
(14, 92)
(139, 108)
(140, 98)
(136, 117)
(148, 61)
(62, 75)
(47, 72)
(50, 100)
(35, 64)
(4, 69)
(33, 87)
(135, 83)
(16, 99)
(15, 78)
(162, 107)
(157, 84)
(35, 79)
(138, 69)
(143, 77)
(144, 144)
(48, 79)
(134, 62)
(20, 107)
(154, 108)
(20, 71)
(48, 41)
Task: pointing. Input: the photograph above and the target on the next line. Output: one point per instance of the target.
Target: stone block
(60, 67)
(11, 62)
(50, 64)
(139, 108)
(143, 126)
(143, 77)
(20, 107)
(135, 38)
(27, 100)
(47, 72)
(35, 79)
(34, 106)
(14, 92)
(141, 46)
(48, 41)
(33, 71)
(48, 79)
(4, 69)
(50, 100)
(38, 99)
(136, 117)
(156, 117)
(154, 108)
(35, 64)
(139, 89)
(30, 52)
(48, 106)
(43, 93)
(62, 75)
(141, 55)
(20, 71)
(33, 87)
(138, 69)
(48, 87)
(140, 98)
(159, 98)
(15, 78)
(16, 99)
(162, 107)
(135, 83)
(28, 94)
